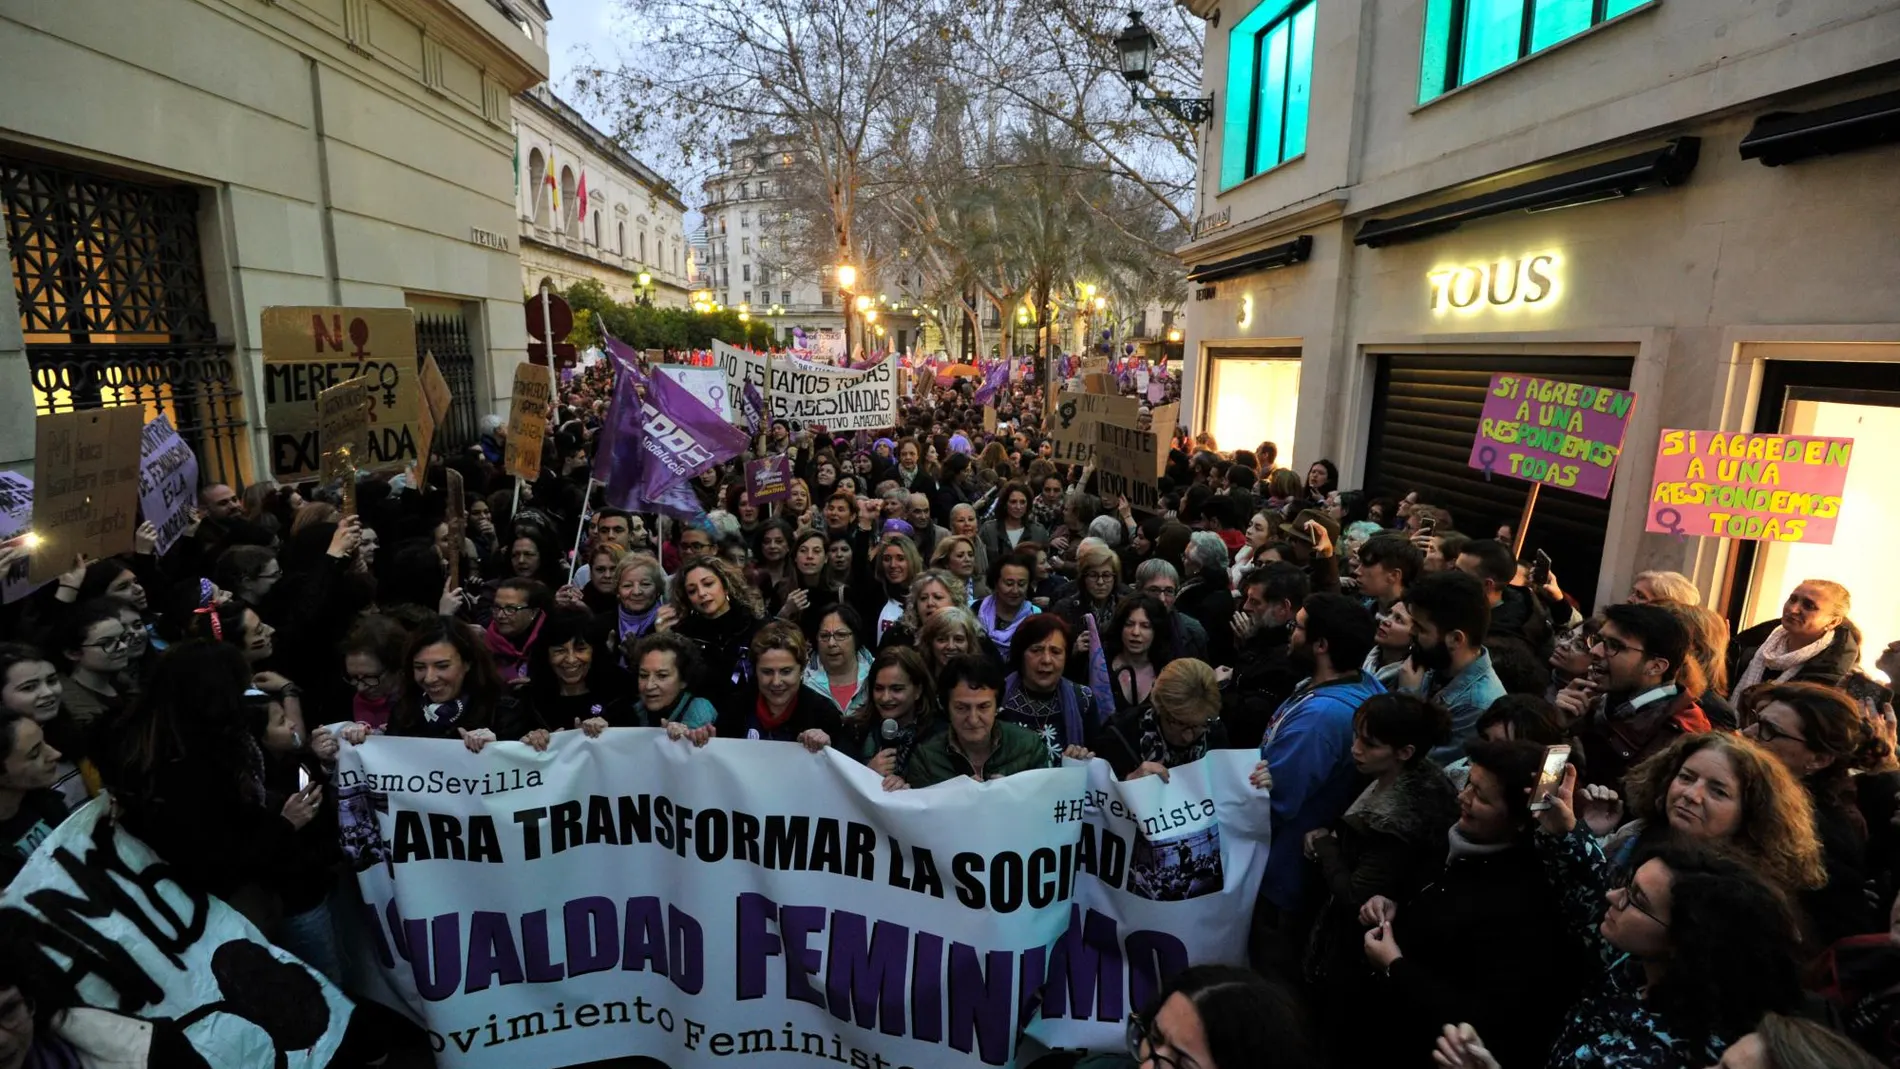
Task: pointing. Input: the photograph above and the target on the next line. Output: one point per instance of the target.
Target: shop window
(1833, 400)
(1468, 39)
(1269, 83)
(1253, 397)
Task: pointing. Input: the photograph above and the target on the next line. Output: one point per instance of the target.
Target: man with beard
(1449, 665)
(1628, 705)
(1308, 751)
(1515, 610)
(1262, 675)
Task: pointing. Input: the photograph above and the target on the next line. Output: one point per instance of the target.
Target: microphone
(890, 731)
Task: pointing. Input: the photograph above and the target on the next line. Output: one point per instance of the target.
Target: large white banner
(835, 398)
(106, 910)
(631, 895)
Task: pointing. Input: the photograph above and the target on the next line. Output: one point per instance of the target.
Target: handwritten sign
(768, 479)
(708, 384)
(86, 494)
(528, 420)
(309, 350)
(431, 415)
(1771, 487)
(1076, 416)
(168, 481)
(16, 512)
(1127, 462)
(1562, 434)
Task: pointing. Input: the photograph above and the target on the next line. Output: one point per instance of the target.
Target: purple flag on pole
(992, 383)
(752, 403)
(681, 437)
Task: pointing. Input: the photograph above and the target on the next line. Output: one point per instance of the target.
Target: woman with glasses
(94, 648)
(1695, 947)
(1819, 735)
(1717, 789)
(1479, 936)
(1097, 592)
(838, 669)
(1222, 1017)
(1176, 725)
(372, 666)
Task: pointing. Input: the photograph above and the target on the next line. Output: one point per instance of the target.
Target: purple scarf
(636, 624)
(512, 661)
(1002, 634)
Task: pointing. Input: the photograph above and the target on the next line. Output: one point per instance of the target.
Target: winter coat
(1263, 678)
(996, 544)
(1308, 749)
(810, 710)
(725, 647)
(1483, 942)
(1118, 741)
(1013, 749)
(1611, 747)
(1207, 599)
(1390, 843)
(1827, 667)
(1521, 614)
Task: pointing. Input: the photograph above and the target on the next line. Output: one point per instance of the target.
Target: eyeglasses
(1144, 1043)
(509, 610)
(1158, 591)
(1633, 898)
(117, 642)
(834, 636)
(364, 682)
(1766, 732)
(1616, 647)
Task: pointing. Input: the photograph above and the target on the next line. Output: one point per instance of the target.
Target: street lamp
(1174, 334)
(1137, 48)
(847, 276)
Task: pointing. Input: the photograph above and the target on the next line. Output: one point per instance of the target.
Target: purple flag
(752, 404)
(992, 383)
(617, 461)
(681, 437)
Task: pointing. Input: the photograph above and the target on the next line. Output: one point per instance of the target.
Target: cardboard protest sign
(1772, 487)
(1562, 434)
(768, 479)
(1164, 420)
(836, 399)
(989, 419)
(1076, 416)
(435, 390)
(1099, 382)
(101, 910)
(308, 350)
(16, 512)
(431, 414)
(1127, 462)
(528, 420)
(168, 481)
(86, 490)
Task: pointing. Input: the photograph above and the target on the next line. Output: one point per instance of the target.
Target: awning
(1286, 254)
(1789, 137)
(1666, 166)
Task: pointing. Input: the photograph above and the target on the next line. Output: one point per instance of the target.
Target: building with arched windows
(169, 169)
(632, 221)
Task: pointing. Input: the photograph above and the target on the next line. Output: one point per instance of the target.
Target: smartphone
(1552, 774)
(1427, 525)
(303, 779)
(1540, 570)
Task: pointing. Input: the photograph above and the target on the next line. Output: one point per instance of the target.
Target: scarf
(1154, 746)
(371, 711)
(1463, 847)
(1775, 654)
(636, 624)
(1002, 634)
(773, 723)
(512, 661)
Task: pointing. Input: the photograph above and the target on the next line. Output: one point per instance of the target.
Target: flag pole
(574, 558)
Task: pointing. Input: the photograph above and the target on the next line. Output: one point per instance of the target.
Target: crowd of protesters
(1711, 880)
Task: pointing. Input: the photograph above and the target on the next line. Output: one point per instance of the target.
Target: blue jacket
(1466, 695)
(1308, 749)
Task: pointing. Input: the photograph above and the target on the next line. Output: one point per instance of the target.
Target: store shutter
(1425, 415)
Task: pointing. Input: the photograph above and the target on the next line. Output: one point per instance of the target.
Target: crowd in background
(1711, 879)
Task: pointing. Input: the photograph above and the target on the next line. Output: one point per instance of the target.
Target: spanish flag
(554, 187)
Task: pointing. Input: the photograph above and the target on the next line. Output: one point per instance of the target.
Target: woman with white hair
(1206, 595)
(1663, 586)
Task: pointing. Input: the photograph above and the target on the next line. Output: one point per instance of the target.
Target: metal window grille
(113, 305)
(447, 337)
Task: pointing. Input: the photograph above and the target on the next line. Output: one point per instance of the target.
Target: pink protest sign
(1772, 487)
(1562, 434)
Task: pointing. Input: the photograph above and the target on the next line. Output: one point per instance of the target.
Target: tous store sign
(1528, 282)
